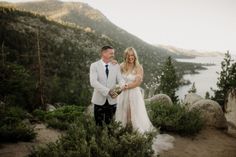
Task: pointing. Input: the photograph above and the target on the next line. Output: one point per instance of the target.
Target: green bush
(40, 114)
(14, 125)
(176, 118)
(85, 139)
(61, 118)
(12, 114)
(16, 132)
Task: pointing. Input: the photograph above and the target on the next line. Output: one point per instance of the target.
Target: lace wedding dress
(131, 109)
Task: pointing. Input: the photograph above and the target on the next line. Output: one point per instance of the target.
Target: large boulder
(159, 98)
(212, 113)
(50, 107)
(230, 107)
(191, 98)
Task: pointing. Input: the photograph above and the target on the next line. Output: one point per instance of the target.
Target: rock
(50, 107)
(231, 129)
(159, 98)
(230, 107)
(191, 98)
(212, 113)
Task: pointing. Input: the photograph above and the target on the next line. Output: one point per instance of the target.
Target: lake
(205, 79)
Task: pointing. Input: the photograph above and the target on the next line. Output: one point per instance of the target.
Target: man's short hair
(106, 47)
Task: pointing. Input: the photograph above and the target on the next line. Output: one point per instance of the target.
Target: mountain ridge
(191, 52)
(94, 20)
(85, 16)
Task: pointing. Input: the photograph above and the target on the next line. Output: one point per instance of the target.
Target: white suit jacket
(102, 84)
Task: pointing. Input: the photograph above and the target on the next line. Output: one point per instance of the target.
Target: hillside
(89, 18)
(92, 19)
(66, 54)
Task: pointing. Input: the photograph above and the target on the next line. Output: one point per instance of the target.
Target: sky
(207, 25)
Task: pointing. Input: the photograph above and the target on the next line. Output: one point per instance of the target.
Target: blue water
(205, 79)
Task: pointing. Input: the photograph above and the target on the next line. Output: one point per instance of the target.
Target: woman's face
(131, 57)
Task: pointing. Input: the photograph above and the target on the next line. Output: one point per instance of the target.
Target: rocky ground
(208, 143)
(21, 149)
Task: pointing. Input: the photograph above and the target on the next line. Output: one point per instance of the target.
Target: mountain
(66, 51)
(92, 19)
(66, 54)
(191, 53)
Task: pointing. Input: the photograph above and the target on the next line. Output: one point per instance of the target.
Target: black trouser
(104, 113)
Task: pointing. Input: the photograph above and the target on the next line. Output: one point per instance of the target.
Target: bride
(131, 108)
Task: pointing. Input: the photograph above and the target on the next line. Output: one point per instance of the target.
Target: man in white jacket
(103, 77)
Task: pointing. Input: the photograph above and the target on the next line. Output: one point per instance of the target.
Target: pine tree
(168, 80)
(226, 79)
(40, 74)
(192, 89)
(232, 75)
(207, 95)
(3, 61)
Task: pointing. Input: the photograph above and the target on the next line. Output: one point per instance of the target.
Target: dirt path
(21, 149)
(208, 143)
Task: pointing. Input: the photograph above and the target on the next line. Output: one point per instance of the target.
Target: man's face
(108, 54)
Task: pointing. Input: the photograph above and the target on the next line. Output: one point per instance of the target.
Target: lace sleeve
(139, 74)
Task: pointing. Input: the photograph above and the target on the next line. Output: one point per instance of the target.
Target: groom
(103, 77)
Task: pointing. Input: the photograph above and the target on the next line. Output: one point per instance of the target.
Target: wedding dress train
(131, 108)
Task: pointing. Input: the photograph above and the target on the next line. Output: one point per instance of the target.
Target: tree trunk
(40, 75)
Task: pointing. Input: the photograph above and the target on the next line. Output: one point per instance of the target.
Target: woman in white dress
(131, 108)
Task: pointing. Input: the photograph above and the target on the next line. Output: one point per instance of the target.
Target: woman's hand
(126, 86)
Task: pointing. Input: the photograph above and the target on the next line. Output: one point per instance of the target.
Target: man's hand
(113, 94)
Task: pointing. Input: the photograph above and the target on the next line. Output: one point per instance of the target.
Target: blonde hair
(124, 65)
